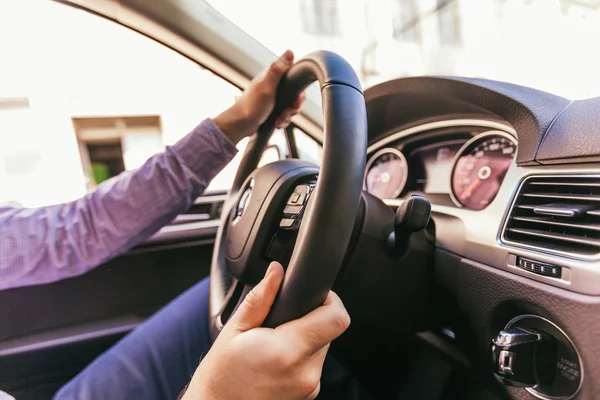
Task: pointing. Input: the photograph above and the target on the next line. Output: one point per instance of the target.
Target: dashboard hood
(550, 129)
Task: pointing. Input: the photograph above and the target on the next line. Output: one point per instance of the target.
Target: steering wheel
(291, 209)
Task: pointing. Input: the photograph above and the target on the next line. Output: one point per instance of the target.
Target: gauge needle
(467, 193)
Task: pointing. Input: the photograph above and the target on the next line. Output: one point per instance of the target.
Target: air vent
(203, 210)
(557, 214)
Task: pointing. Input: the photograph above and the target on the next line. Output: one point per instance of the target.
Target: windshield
(545, 44)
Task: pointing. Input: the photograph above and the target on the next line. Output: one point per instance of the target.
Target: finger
(319, 327)
(256, 305)
(279, 67)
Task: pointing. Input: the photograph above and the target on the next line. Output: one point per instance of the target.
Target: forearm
(57, 242)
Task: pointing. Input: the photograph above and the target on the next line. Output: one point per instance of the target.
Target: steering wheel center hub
(259, 214)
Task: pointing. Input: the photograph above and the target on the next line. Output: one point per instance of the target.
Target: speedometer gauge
(387, 172)
(480, 167)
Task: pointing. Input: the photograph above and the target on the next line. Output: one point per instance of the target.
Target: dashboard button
(539, 268)
(286, 223)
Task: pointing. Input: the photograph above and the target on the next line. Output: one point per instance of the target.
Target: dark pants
(158, 358)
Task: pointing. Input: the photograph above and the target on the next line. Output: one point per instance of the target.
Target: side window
(278, 150)
(308, 148)
(77, 109)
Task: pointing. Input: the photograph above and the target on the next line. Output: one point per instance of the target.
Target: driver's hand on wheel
(250, 362)
(257, 102)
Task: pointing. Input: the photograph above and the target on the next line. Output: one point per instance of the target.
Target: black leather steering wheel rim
(330, 217)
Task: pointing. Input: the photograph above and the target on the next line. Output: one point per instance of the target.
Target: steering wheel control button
(534, 353)
(302, 198)
(286, 223)
(294, 199)
(293, 210)
(302, 189)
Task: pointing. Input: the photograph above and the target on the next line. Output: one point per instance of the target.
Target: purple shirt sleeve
(41, 245)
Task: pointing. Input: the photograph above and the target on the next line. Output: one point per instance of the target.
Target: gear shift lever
(411, 216)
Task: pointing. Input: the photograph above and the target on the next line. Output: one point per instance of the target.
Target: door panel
(137, 283)
(50, 332)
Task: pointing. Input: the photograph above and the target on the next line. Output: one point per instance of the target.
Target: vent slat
(592, 227)
(557, 214)
(558, 237)
(526, 207)
(557, 183)
(563, 196)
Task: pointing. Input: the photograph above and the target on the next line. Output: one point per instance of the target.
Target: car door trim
(70, 335)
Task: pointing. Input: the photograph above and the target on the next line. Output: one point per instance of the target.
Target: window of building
(406, 21)
(111, 145)
(449, 22)
(320, 17)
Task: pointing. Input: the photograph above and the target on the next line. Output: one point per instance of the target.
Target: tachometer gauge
(479, 168)
(386, 175)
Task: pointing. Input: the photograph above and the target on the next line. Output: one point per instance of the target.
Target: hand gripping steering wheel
(291, 210)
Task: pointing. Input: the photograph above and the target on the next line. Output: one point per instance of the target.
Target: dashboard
(513, 177)
(462, 166)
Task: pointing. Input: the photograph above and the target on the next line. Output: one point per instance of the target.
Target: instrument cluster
(469, 170)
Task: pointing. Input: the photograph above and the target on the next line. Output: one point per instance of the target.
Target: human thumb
(279, 67)
(256, 305)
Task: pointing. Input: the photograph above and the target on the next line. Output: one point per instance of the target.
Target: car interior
(456, 218)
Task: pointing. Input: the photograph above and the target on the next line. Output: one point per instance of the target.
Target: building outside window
(320, 17)
(499, 7)
(449, 22)
(406, 21)
(111, 145)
